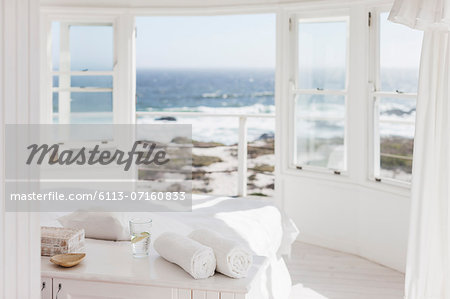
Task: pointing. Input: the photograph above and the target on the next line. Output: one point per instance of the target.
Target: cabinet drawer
(46, 288)
(77, 289)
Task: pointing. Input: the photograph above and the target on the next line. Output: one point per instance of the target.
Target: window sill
(386, 185)
(318, 173)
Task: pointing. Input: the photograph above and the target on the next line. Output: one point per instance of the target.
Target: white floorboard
(319, 273)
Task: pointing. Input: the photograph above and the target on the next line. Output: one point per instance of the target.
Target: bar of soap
(58, 240)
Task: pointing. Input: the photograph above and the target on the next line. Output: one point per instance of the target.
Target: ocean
(236, 91)
(209, 91)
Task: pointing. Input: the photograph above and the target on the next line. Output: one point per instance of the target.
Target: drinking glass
(140, 236)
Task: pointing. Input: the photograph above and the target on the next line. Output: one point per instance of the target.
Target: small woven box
(58, 240)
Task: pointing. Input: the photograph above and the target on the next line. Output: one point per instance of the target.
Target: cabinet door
(77, 289)
(46, 288)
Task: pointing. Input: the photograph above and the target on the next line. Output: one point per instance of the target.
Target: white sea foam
(222, 129)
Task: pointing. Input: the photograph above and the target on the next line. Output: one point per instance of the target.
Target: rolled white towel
(195, 258)
(233, 259)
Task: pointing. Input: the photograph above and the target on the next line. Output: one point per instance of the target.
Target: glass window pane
(86, 107)
(92, 81)
(396, 151)
(55, 99)
(400, 49)
(322, 55)
(320, 131)
(87, 102)
(397, 109)
(55, 81)
(91, 48)
(87, 81)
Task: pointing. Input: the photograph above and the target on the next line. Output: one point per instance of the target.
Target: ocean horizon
(240, 91)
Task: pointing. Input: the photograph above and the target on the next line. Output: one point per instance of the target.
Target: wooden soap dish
(67, 259)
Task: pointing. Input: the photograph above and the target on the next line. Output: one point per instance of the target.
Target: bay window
(203, 69)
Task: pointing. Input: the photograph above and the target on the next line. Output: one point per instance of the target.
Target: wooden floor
(322, 273)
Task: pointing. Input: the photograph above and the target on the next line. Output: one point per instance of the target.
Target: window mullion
(81, 89)
(320, 92)
(83, 73)
(402, 95)
(376, 138)
(64, 79)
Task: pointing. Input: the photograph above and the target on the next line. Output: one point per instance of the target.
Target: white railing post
(242, 157)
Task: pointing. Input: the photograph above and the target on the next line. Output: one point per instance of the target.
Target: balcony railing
(242, 140)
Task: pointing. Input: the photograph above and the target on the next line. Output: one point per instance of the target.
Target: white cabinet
(130, 278)
(56, 288)
(46, 288)
(77, 289)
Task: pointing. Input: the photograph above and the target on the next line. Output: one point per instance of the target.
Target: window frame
(374, 96)
(123, 78)
(311, 17)
(65, 73)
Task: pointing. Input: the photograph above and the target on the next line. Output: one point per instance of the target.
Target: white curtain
(428, 265)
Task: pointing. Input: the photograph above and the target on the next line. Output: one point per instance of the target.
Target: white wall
(19, 93)
(355, 219)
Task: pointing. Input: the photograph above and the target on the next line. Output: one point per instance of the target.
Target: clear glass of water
(140, 236)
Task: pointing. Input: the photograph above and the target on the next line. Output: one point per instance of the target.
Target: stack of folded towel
(203, 252)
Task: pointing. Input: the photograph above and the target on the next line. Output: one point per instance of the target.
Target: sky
(401, 45)
(322, 44)
(230, 41)
(236, 41)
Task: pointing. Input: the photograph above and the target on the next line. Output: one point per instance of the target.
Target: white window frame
(375, 94)
(123, 89)
(294, 20)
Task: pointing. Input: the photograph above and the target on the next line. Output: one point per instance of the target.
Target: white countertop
(109, 261)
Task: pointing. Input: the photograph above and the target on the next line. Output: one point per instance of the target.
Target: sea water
(232, 91)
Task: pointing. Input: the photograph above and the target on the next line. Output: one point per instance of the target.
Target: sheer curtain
(428, 265)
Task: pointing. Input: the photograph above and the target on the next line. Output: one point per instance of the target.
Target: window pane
(55, 99)
(87, 81)
(86, 107)
(397, 109)
(322, 55)
(396, 151)
(92, 81)
(320, 131)
(400, 49)
(91, 48)
(397, 117)
(87, 102)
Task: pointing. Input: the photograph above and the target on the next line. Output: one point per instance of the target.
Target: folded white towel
(233, 259)
(195, 258)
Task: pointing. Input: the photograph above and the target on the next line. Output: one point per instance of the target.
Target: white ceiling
(166, 3)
